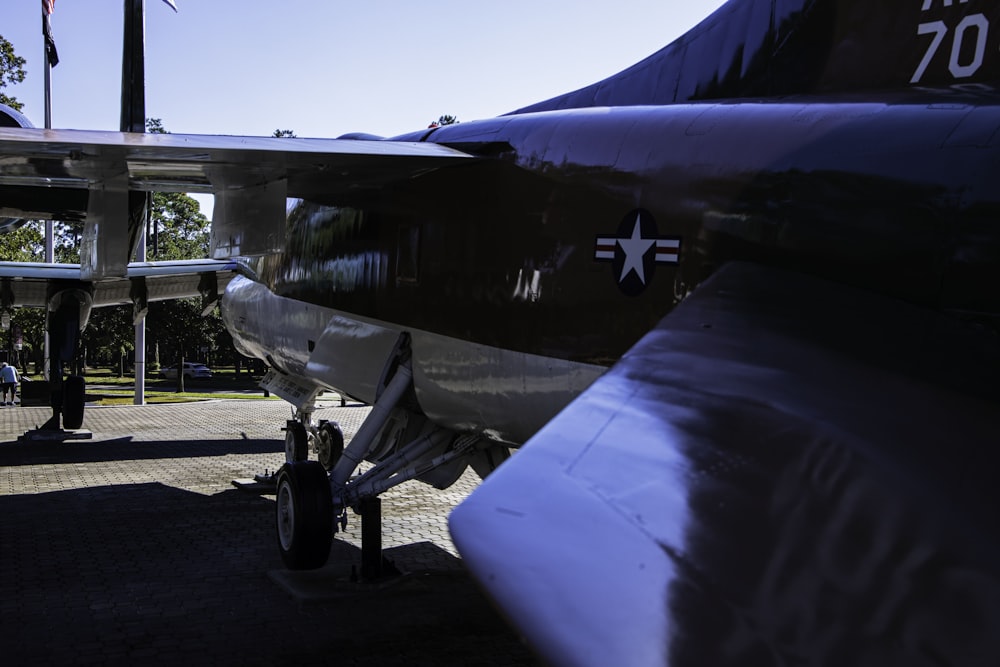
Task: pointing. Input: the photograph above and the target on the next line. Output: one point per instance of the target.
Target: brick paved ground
(135, 548)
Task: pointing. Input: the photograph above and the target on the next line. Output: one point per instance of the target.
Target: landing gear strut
(313, 497)
(68, 305)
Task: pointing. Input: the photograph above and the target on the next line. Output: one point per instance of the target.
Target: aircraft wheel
(296, 441)
(304, 512)
(74, 392)
(330, 445)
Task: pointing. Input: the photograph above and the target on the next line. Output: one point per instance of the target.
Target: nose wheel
(296, 441)
(329, 444)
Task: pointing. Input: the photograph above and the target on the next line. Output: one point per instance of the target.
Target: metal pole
(133, 119)
(49, 242)
(50, 255)
(48, 91)
(371, 538)
(140, 340)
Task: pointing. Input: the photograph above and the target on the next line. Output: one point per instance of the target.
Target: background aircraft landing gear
(304, 515)
(73, 401)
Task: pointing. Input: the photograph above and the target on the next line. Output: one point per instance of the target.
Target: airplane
(719, 332)
(70, 291)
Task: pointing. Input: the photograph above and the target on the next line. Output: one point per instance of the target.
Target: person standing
(8, 383)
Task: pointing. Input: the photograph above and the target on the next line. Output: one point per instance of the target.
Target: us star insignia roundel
(636, 250)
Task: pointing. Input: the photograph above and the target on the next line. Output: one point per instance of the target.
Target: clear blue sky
(325, 68)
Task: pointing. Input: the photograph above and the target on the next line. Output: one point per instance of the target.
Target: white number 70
(938, 28)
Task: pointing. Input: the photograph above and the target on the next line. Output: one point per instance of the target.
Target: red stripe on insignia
(605, 248)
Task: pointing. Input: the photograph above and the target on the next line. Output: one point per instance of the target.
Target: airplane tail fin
(764, 48)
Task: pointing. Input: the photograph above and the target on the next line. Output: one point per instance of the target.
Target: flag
(169, 2)
(48, 6)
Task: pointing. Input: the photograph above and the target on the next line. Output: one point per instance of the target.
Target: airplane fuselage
(522, 278)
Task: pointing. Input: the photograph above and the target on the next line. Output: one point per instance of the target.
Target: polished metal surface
(784, 470)
(769, 48)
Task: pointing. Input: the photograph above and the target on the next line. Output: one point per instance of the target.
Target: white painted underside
(465, 386)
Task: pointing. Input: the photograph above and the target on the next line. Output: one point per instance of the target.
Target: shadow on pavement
(25, 453)
(151, 574)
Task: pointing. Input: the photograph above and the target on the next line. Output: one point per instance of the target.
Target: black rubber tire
(331, 444)
(296, 441)
(304, 515)
(74, 394)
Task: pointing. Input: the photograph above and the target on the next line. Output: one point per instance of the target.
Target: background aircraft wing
(313, 168)
(27, 283)
(784, 468)
(77, 175)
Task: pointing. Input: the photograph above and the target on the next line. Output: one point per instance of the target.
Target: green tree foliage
(155, 126)
(11, 72)
(180, 229)
(445, 120)
(109, 337)
(24, 244)
(66, 241)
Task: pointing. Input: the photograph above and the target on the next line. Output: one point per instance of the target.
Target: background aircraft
(779, 234)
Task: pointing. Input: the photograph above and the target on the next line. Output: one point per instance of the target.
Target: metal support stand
(374, 566)
(371, 538)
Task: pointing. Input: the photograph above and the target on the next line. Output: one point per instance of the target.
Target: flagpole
(50, 256)
(48, 93)
(133, 119)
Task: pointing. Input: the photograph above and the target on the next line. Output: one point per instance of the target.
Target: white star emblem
(635, 249)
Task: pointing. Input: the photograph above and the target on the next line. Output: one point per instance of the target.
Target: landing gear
(398, 440)
(74, 394)
(304, 509)
(329, 444)
(296, 441)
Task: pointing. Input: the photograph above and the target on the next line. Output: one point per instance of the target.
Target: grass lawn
(103, 387)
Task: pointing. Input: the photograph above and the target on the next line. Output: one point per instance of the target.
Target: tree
(445, 120)
(284, 133)
(24, 244)
(11, 72)
(177, 327)
(27, 242)
(109, 337)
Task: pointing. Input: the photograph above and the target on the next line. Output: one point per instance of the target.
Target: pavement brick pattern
(135, 548)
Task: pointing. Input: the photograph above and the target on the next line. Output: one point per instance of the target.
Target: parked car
(192, 371)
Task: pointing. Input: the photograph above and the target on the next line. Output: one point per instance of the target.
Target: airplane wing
(313, 168)
(87, 175)
(27, 283)
(784, 470)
